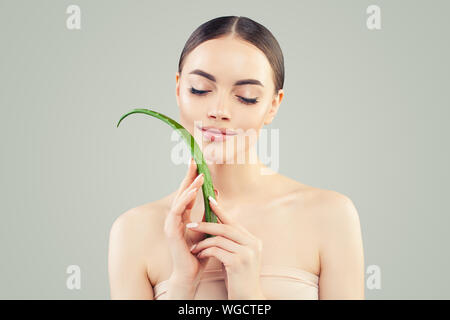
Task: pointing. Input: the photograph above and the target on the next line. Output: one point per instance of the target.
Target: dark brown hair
(246, 29)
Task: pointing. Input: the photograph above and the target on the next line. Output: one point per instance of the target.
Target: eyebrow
(237, 83)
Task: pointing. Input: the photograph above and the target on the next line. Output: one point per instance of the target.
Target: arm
(127, 270)
(341, 251)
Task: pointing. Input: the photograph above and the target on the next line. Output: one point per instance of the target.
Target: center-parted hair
(246, 29)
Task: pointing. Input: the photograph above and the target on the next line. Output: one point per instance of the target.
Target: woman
(276, 238)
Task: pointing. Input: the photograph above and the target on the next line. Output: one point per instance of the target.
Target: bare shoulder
(328, 209)
(336, 219)
(341, 252)
(136, 225)
(334, 206)
(140, 222)
(138, 233)
(323, 203)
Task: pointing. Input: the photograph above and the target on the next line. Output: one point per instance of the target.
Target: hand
(238, 250)
(186, 267)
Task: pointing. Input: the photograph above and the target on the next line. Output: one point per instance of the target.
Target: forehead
(229, 59)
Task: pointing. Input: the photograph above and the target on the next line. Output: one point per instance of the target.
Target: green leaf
(202, 167)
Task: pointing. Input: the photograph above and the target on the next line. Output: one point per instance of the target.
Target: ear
(177, 87)
(276, 101)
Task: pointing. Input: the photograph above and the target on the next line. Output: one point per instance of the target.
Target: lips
(214, 130)
(216, 134)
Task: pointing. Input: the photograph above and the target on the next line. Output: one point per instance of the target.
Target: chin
(215, 155)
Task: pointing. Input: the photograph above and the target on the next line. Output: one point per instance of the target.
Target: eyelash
(243, 100)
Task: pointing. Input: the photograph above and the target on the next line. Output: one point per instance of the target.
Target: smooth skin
(263, 218)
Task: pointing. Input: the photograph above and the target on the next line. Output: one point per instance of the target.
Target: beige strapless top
(277, 283)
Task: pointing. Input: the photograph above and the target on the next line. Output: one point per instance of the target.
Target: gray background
(365, 114)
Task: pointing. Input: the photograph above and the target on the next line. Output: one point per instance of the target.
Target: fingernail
(193, 247)
(193, 191)
(212, 200)
(192, 225)
(198, 177)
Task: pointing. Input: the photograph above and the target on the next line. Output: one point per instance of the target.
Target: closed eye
(199, 92)
(242, 99)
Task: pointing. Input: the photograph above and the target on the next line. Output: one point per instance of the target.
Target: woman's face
(211, 93)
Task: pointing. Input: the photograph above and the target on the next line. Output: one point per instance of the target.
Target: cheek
(186, 100)
(190, 110)
(250, 118)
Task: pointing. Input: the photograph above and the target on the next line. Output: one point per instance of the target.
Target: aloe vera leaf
(202, 167)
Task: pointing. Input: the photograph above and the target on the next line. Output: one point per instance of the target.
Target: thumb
(216, 192)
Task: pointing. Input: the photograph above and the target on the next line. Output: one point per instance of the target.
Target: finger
(225, 218)
(218, 241)
(196, 184)
(218, 229)
(190, 176)
(187, 218)
(181, 203)
(189, 195)
(216, 192)
(174, 217)
(222, 255)
(220, 213)
(204, 216)
(194, 237)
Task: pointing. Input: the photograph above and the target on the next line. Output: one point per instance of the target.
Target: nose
(218, 114)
